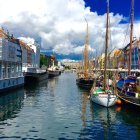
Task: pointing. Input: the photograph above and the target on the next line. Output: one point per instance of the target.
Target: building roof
(117, 52)
(11, 38)
(26, 46)
(128, 45)
(111, 54)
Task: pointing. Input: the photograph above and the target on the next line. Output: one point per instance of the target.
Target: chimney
(134, 38)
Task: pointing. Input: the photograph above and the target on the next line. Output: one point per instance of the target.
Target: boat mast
(131, 36)
(86, 54)
(106, 45)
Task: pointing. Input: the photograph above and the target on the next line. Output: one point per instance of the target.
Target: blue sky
(60, 27)
(116, 6)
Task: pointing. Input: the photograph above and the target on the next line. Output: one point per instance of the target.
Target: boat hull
(53, 73)
(132, 101)
(35, 77)
(104, 99)
(85, 83)
(128, 97)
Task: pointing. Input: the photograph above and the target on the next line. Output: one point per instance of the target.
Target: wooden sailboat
(84, 80)
(102, 94)
(129, 88)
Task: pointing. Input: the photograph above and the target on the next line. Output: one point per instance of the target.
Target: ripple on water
(58, 109)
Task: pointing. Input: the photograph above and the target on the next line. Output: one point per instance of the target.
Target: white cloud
(60, 24)
(68, 60)
(80, 49)
(27, 40)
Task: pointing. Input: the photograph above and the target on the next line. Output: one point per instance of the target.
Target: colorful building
(135, 55)
(47, 61)
(72, 64)
(10, 61)
(101, 61)
(28, 56)
(36, 48)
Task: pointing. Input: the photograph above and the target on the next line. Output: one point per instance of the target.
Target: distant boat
(84, 80)
(129, 88)
(84, 83)
(34, 74)
(102, 91)
(53, 70)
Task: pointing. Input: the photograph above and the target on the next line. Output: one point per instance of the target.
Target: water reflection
(111, 123)
(106, 116)
(52, 83)
(33, 89)
(10, 104)
(131, 117)
(84, 100)
(100, 124)
(103, 120)
(57, 109)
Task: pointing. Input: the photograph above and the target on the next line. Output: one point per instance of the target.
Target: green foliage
(43, 61)
(67, 67)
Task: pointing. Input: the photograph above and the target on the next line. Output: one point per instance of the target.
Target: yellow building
(115, 58)
(119, 59)
(101, 61)
(72, 64)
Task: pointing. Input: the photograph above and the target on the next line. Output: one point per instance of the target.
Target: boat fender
(118, 101)
(136, 95)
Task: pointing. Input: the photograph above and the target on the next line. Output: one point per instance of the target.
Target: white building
(36, 48)
(28, 56)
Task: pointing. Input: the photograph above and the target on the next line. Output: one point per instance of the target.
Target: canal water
(58, 110)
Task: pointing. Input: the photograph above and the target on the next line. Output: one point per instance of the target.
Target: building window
(4, 71)
(13, 70)
(9, 71)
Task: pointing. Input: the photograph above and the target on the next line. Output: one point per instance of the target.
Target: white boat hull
(106, 100)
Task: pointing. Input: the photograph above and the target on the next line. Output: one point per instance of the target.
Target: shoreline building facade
(10, 62)
(28, 56)
(31, 57)
(135, 61)
(36, 56)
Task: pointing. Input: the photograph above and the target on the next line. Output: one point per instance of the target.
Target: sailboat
(84, 80)
(102, 94)
(129, 88)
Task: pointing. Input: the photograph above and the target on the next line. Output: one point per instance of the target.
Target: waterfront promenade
(57, 109)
